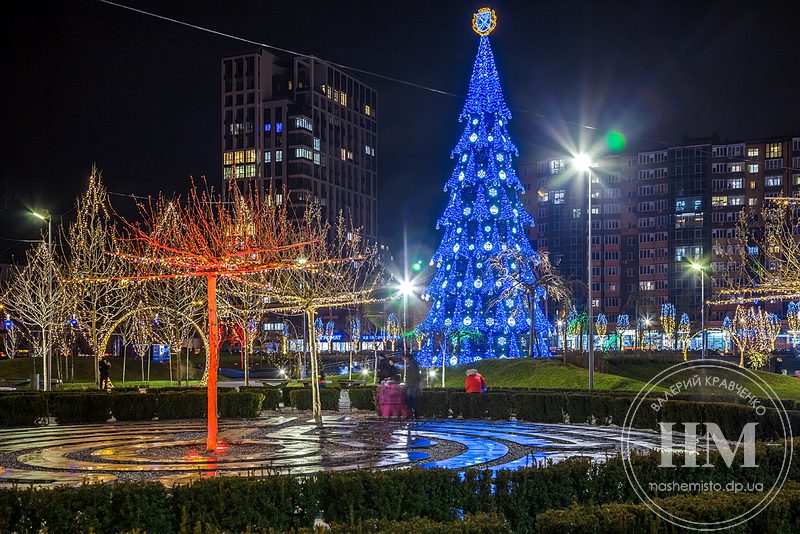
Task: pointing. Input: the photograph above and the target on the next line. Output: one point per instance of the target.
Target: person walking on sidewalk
(413, 384)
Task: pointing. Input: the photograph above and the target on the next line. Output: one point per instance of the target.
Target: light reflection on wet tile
(172, 451)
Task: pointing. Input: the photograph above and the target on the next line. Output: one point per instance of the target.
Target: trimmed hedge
(182, 404)
(243, 405)
(597, 408)
(362, 398)
(472, 524)
(71, 408)
(300, 399)
(525, 499)
(783, 514)
(272, 395)
(134, 406)
(22, 410)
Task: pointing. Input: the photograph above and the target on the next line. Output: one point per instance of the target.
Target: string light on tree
(668, 321)
(685, 334)
(754, 332)
(793, 319)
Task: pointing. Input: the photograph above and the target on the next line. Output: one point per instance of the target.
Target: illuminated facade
(653, 213)
(278, 133)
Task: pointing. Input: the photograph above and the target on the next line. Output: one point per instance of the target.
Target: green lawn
(538, 374)
(786, 387)
(617, 377)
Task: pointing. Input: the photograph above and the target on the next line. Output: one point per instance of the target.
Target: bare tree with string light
(203, 236)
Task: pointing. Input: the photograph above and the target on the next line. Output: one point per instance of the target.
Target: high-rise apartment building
(302, 128)
(653, 214)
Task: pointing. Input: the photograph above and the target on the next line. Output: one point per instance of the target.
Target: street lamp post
(583, 164)
(47, 357)
(699, 267)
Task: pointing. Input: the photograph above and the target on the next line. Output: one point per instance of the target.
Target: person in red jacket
(474, 382)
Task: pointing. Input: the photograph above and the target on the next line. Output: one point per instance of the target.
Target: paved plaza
(171, 451)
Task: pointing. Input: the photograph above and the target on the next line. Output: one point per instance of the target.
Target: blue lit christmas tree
(484, 218)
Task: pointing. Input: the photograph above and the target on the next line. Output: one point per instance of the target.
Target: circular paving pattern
(172, 451)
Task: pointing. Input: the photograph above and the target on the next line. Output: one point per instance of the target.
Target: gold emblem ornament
(484, 21)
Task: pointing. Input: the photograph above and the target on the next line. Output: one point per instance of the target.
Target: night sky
(88, 82)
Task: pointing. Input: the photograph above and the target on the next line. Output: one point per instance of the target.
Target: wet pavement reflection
(172, 451)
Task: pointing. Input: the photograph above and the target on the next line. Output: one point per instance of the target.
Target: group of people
(388, 371)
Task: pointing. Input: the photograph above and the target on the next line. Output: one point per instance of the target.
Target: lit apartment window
(367, 110)
(279, 155)
(278, 127)
(303, 153)
(316, 158)
(343, 154)
(267, 127)
(735, 167)
(736, 201)
(556, 166)
(238, 156)
(228, 172)
(719, 201)
(228, 158)
(796, 179)
(752, 152)
(267, 156)
(304, 123)
(250, 170)
(752, 168)
(774, 150)
(752, 202)
(316, 143)
(250, 156)
(576, 213)
(558, 197)
(773, 181)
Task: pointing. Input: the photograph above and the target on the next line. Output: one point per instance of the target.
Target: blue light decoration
(319, 328)
(483, 218)
(329, 334)
(8, 324)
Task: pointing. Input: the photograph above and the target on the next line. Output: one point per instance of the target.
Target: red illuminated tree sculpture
(204, 235)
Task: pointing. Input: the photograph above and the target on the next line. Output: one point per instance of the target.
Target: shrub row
(783, 515)
(374, 499)
(300, 398)
(97, 407)
(559, 407)
(273, 396)
(362, 398)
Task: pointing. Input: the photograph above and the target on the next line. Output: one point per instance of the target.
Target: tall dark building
(654, 214)
(303, 128)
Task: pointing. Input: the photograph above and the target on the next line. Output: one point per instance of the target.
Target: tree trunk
(246, 363)
(316, 404)
(213, 363)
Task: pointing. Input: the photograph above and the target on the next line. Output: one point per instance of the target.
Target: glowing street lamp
(406, 288)
(702, 269)
(583, 164)
(47, 359)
